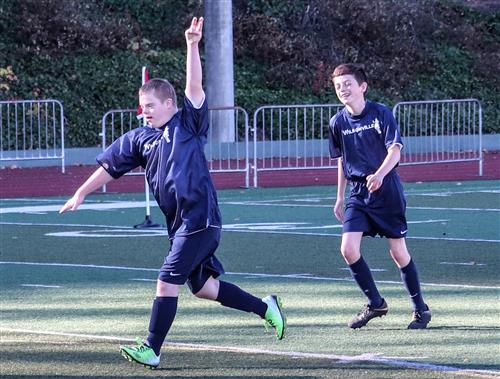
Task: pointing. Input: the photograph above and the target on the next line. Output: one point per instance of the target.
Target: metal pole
(148, 223)
(219, 67)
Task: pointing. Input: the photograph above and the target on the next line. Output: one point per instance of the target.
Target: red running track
(49, 181)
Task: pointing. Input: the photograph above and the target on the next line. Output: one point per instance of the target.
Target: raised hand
(195, 31)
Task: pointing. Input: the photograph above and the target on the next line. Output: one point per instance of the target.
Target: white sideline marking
(371, 269)
(142, 204)
(39, 285)
(273, 204)
(463, 263)
(457, 209)
(65, 225)
(97, 206)
(154, 231)
(110, 233)
(287, 276)
(366, 357)
(340, 235)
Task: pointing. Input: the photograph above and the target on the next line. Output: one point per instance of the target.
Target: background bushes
(89, 53)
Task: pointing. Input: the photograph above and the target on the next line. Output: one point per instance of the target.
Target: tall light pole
(219, 66)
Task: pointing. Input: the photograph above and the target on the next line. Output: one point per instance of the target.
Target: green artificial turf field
(76, 286)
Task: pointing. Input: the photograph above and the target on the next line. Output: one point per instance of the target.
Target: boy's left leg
(409, 275)
(185, 253)
(232, 296)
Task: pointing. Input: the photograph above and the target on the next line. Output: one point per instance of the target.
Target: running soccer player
(170, 149)
(364, 137)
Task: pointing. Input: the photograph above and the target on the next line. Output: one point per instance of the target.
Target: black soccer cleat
(366, 314)
(420, 319)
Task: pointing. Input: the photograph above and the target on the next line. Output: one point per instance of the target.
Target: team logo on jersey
(375, 124)
(166, 135)
(149, 146)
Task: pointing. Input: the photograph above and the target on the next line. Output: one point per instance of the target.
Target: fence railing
(284, 137)
(32, 130)
(295, 137)
(227, 148)
(440, 131)
(115, 123)
(291, 137)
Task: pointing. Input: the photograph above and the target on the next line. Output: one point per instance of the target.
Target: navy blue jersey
(362, 141)
(176, 168)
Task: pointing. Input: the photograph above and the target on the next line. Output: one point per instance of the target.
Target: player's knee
(400, 256)
(164, 289)
(201, 294)
(350, 254)
(209, 290)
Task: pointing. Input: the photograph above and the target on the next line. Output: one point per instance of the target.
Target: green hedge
(89, 53)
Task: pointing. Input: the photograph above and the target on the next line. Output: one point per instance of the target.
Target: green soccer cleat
(274, 315)
(141, 354)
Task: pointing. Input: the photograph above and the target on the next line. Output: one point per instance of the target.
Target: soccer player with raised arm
(171, 150)
(365, 138)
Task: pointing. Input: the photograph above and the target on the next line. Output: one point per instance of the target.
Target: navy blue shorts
(191, 259)
(381, 212)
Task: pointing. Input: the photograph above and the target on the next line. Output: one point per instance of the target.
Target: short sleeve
(121, 156)
(334, 141)
(391, 130)
(195, 120)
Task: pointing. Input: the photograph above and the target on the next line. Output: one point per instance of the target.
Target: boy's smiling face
(348, 90)
(156, 112)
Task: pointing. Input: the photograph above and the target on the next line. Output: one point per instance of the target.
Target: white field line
(95, 206)
(142, 204)
(376, 358)
(463, 263)
(66, 225)
(155, 231)
(340, 235)
(248, 274)
(272, 204)
(39, 285)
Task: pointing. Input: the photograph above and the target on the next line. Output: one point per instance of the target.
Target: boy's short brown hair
(353, 69)
(162, 89)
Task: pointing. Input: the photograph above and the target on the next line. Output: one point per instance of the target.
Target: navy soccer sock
(362, 275)
(234, 297)
(162, 317)
(410, 279)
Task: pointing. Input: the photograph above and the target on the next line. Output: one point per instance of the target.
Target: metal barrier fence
(227, 148)
(286, 137)
(440, 131)
(295, 137)
(292, 137)
(116, 122)
(32, 130)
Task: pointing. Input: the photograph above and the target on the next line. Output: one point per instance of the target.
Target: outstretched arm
(99, 178)
(194, 88)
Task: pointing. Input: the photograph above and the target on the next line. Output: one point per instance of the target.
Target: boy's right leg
(409, 274)
(162, 316)
(376, 307)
